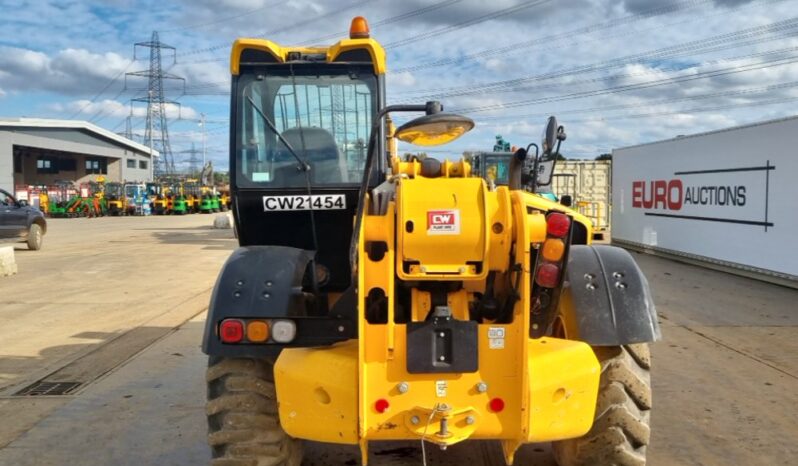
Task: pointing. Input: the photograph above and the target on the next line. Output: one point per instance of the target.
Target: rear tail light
(558, 224)
(548, 275)
(257, 331)
(231, 331)
(553, 249)
(283, 331)
(552, 254)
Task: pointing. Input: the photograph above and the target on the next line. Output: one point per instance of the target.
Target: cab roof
(249, 51)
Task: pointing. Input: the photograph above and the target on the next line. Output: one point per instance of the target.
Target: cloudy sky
(615, 72)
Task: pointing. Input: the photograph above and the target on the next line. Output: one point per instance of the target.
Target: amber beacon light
(359, 28)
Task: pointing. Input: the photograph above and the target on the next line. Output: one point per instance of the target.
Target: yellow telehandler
(375, 299)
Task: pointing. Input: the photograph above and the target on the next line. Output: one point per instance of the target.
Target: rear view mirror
(566, 200)
(545, 170)
(553, 134)
(549, 137)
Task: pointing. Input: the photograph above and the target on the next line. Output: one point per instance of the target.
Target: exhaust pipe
(516, 169)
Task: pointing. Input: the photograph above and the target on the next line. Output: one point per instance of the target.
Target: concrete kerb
(8, 264)
(223, 221)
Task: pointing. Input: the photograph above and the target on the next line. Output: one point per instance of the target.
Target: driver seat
(327, 163)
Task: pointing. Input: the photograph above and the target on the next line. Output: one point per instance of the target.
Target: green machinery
(59, 199)
(179, 204)
(209, 202)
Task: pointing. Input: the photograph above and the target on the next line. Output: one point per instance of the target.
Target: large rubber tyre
(620, 432)
(243, 424)
(35, 237)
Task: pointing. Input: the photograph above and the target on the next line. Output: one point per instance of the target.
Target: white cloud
(68, 71)
(116, 109)
(402, 79)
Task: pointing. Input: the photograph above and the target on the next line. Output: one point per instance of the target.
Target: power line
(465, 24)
(224, 20)
(697, 46)
(689, 111)
(98, 114)
(102, 91)
(383, 22)
(601, 26)
(294, 26)
(604, 108)
(710, 44)
(390, 20)
(636, 86)
(617, 76)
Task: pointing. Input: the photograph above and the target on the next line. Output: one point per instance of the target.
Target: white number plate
(304, 202)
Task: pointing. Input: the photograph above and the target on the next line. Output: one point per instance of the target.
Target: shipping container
(589, 183)
(727, 199)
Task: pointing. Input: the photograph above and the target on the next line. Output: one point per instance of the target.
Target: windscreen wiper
(304, 166)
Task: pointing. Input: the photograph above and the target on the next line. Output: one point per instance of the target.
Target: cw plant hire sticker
(443, 222)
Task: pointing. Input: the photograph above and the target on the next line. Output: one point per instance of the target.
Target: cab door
(13, 218)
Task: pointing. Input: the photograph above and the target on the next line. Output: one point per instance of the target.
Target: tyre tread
(243, 423)
(620, 433)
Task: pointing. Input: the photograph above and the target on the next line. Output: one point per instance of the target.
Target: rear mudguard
(606, 300)
(265, 282)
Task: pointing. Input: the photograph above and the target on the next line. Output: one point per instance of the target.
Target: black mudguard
(266, 282)
(609, 296)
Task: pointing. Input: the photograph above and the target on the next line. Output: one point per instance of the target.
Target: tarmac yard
(111, 311)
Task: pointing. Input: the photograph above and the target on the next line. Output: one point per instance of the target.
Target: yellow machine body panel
(541, 204)
(317, 389)
(320, 400)
(563, 386)
(362, 390)
(444, 235)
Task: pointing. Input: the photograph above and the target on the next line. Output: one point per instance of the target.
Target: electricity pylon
(157, 131)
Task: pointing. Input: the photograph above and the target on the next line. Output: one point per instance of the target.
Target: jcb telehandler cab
(374, 299)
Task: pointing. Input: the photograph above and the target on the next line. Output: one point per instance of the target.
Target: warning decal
(443, 222)
(496, 337)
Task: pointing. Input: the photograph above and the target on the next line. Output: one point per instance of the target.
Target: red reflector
(558, 224)
(497, 405)
(382, 405)
(548, 275)
(231, 331)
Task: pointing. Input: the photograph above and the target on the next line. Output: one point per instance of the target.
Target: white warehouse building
(39, 152)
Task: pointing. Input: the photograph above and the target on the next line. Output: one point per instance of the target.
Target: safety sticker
(440, 388)
(496, 337)
(496, 343)
(443, 222)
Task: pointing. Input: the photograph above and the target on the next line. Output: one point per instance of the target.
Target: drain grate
(42, 388)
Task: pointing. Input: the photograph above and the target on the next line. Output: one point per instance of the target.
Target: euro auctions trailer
(727, 199)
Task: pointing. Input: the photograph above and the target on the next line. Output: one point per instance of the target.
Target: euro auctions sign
(715, 195)
(729, 196)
